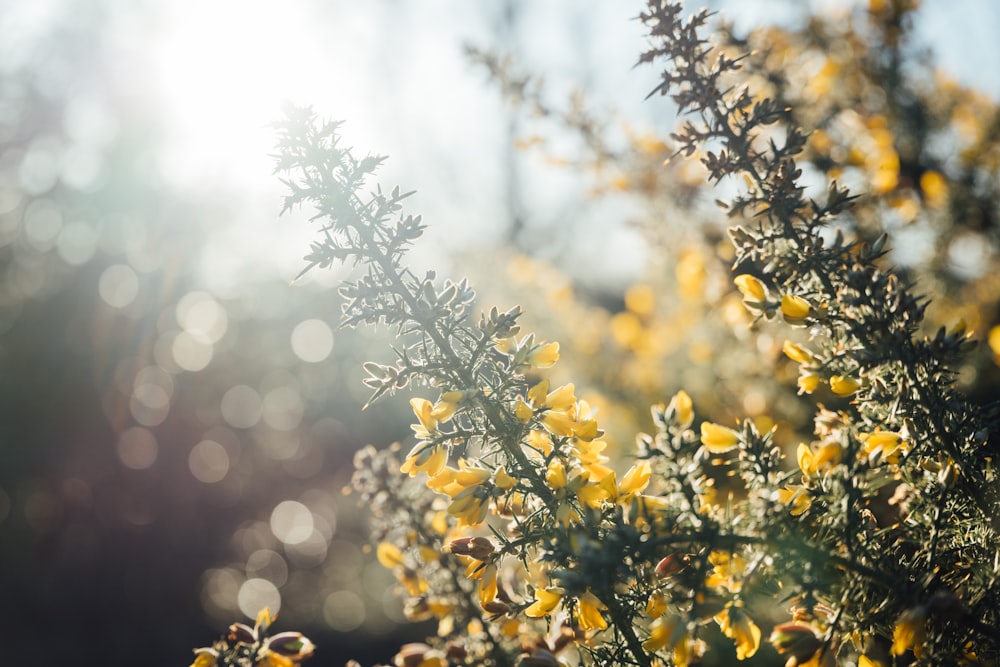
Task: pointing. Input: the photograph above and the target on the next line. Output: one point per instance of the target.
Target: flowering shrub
(880, 119)
(509, 525)
(244, 646)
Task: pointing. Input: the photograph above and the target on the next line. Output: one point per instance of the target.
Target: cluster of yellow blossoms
(797, 311)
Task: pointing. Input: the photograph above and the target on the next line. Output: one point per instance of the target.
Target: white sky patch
(223, 69)
(395, 73)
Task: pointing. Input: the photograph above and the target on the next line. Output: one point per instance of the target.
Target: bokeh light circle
(137, 448)
(283, 408)
(202, 317)
(118, 285)
(255, 594)
(268, 564)
(191, 352)
(344, 611)
(312, 340)
(208, 462)
(241, 406)
(292, 522)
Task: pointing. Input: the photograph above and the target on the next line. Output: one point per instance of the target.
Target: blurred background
(177, 420)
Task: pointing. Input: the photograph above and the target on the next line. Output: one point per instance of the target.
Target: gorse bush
(507, 523)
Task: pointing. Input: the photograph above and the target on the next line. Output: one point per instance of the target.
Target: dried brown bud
(456, 652)
(496, 607)
(292, 645)
(417, 609)
(411, 655)
(669, 566)
(242, 634)
(479, 548)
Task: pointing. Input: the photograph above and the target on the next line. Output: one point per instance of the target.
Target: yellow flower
(828, 455)
(805, 458)
(884, 446)
(688, 650)
(814, 461)
(909, 632)
(796, 496)
(488, 585)
(718, 439)
(555, 474)
(546, 600)
(588, 612)
(587, 430)
(503, 481)
(537, 394)
(452, 482)
(665, 631)
(263, 621)
(424, 410)
(751, 287)
(656, 605)
(844, 385)
(272, 659)
(935, 188)
(636, 479)
(471, 505)
(425, 458)
(539, 442)
(205, 657)
(444, 409)
(389, 555)
(559, 423)
(808, 382)
(681, 408)
(797, 353)
(523, 411)
(470, 475)
(588, 452)
(794, 308)
(544, 356)
(865, 661)
(593, 495)
(727, 571)
(562, 398)
(415, 585)
(994, 342)
(739, 627)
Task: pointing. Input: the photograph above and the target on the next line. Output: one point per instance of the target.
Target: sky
(394, 71)
(219, 71)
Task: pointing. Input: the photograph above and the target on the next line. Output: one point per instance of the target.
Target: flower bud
(798, 641)
(411, 655)
(479, 548)
(292, 645)
(456, 652)
(669, 566)
(242, 634)
(496, 607)
(844, 385)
